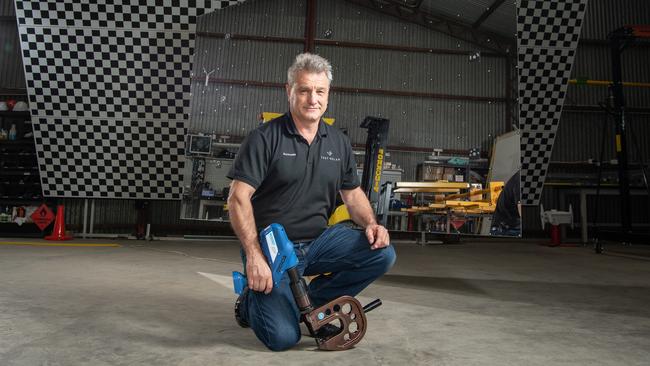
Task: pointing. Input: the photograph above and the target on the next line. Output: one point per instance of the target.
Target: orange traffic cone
(59, 226)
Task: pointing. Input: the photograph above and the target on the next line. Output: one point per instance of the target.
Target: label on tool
(618, 143)
(273, 246)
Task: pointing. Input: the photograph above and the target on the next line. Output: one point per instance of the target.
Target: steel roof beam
(487, 13)
(453, 28)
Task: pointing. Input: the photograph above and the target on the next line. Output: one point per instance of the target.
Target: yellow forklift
(373, 167)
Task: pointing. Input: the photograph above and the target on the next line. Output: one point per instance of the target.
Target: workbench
(449, 205)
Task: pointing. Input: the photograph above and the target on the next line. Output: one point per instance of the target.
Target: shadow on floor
(607, 299)
(446, 284)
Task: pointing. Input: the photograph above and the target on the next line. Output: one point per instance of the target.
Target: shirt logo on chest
(288, 154)
(330, 157)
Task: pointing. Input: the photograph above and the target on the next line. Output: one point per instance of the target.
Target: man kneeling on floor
(288, 171)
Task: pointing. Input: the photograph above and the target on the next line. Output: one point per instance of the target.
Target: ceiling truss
(451, 27)
(486, 14)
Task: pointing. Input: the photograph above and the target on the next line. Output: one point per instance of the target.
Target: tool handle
(372, 305)
(299, 290)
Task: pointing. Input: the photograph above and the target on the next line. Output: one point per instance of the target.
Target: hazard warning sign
(42, 217)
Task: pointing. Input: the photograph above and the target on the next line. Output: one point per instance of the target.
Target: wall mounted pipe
(590, 82)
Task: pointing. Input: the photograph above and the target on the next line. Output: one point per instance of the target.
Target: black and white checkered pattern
(550, 23)
(107, 73)
(125, 14)
(547, 37)
(109, 88)
(109, 157)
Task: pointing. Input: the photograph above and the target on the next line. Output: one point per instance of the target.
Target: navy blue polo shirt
(295, 183)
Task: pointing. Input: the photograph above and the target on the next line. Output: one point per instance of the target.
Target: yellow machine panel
(341, 214)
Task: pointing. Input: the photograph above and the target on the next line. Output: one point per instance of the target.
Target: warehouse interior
(121, 120)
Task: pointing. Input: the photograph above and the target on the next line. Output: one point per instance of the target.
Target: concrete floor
(487, 303)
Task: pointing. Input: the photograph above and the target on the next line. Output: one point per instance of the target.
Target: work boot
(238, 318)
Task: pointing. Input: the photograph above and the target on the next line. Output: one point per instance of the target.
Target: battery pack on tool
(239, 282)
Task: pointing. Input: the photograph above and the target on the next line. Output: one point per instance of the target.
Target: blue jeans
(344, 252)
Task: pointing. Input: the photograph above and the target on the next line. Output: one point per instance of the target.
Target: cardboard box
(429, 172)
(449, 174)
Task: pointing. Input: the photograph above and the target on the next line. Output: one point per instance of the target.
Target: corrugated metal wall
(419, 72)
(258, 17)
(497, 22)
(587, 128)
(415, 121)
(7, 8)
(12, 74)
(580, 136)
(243, 59)
(120, 216)
(603, 16)
(594, 62)
(420, 122)
(232, 109)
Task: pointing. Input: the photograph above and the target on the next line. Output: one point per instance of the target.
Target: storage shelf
(22, 142)
(12, 114)
(19, 163)
(14, 223)
(13, 200)
(20, 172)
(34, 184)
(26, 230)
(19, 155)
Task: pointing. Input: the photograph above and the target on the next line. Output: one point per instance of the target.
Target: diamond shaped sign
(42, 217)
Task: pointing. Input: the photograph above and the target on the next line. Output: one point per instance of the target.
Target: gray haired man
(289, 171)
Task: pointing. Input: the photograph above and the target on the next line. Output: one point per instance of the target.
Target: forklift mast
(376, 144)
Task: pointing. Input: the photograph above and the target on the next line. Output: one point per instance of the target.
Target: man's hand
(377, 236)
(258, 274)
(362, 214)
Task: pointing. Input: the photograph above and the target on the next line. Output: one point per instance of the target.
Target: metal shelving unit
(20, 182)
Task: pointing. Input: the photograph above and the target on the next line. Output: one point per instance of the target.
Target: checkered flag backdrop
(109, 86)
(547, 38)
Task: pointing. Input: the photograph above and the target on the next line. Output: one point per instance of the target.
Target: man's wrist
(253, 251)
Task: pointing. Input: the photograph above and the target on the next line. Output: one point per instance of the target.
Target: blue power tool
(279, 253)
(345, 312)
